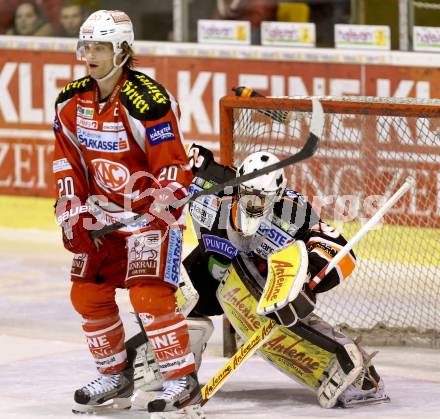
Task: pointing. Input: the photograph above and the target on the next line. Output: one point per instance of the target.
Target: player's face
(98, 56)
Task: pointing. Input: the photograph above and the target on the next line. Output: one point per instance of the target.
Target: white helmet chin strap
(115, 68)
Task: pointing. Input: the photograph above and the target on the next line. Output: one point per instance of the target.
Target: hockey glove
(76, 223)
(165, 215)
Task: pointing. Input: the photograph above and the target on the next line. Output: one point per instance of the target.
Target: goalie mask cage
(369, 146)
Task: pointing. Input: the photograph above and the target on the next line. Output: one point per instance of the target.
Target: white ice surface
(43, 356)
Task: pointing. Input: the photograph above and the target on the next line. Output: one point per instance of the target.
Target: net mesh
(365, 155)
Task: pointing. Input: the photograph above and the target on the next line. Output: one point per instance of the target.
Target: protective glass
(94, 51)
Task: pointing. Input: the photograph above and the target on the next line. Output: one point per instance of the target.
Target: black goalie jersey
(293, 218)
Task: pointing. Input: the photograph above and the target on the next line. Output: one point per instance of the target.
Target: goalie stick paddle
(308, 150)
(261, 335)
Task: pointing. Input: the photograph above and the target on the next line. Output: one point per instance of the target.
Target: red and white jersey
(118, 150)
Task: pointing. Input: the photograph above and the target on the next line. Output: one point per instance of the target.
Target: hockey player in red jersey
(118, 150)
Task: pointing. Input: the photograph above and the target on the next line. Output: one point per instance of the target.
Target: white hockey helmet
(256, 197)
(112, 26)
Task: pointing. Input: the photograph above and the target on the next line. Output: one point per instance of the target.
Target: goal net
(369, 147)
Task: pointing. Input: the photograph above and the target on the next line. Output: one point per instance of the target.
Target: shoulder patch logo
(153, 90)
(78, 86)
(136, 98)
(159, 133)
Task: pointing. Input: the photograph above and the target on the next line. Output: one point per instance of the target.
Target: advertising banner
(362, 36)
(426, 38)
(288, 34)
(236, 32)
(198, 77)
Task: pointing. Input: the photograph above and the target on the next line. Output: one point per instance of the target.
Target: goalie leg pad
(186, 295)
(147, 376)
(336, 381)
(368, 388)
(350, 377)
(200, 330)
(359, 386)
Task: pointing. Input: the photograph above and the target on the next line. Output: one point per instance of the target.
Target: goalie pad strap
(318, 332)
(336, 380)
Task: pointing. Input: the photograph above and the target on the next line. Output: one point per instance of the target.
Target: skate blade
(189, 412)
(113, 404)
(364, 402)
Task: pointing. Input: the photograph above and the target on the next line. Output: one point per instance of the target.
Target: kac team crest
(110, 174)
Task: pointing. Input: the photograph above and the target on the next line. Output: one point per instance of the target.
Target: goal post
(369, 147)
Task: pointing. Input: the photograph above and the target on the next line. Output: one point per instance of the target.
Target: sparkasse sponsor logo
(110, 142)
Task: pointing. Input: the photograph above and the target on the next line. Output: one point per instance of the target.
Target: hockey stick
(267, 328)
(409, 183)
(309, 149)
(238, 359)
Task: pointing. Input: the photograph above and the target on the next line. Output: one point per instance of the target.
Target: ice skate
(368, 388)
(180, 399)
(112, 391)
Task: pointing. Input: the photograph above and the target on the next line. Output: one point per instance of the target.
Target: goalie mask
(101, 29)
(257, 197)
